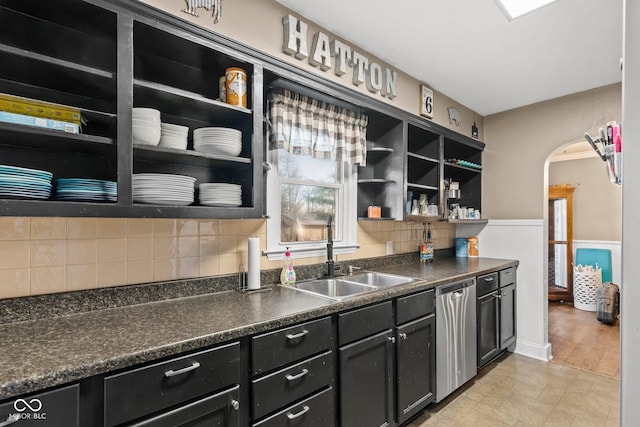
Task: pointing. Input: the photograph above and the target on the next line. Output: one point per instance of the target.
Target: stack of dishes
(146, 126)
(224, 141)
(220, 194)
(92, 190)
(17, 183)
(173, 136)
(163, 189)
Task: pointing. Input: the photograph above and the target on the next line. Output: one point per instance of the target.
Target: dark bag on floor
(607, 303)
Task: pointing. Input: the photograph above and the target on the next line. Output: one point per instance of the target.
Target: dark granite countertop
(46, 352)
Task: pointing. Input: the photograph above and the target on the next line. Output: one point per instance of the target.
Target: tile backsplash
(49, 255)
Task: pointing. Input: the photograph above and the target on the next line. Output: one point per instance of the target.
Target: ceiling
(469, 51)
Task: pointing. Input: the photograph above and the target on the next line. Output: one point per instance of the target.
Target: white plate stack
(173, 136)
(146, 126)
(215, 140)
(220, 194)
(163, 189)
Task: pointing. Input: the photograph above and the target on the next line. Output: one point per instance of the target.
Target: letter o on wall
(374, 77)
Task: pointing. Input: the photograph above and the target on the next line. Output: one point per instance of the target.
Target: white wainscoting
(523, 240)
(616, 255)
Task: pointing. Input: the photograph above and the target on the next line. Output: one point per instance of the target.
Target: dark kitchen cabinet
(288, 366)
(488, 323)
(54, 408)
(507, 315)
(496, 314)
(107, 57)
(387, 361)
(415, 359)
(366, 381)
(160, 393)
(221, 409)
(415, 354)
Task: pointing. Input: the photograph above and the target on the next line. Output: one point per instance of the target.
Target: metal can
(222, 88)
(236, 86)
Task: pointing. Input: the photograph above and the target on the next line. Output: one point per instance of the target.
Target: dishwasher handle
(455, 287)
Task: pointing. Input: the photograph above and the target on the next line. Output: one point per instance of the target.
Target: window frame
(345, 221)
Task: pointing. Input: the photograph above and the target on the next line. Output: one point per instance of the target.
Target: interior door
(560, 278)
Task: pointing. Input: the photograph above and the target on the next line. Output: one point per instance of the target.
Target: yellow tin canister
(236, 85)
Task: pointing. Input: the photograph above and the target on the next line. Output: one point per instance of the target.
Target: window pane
(304, 212)
(296, 166)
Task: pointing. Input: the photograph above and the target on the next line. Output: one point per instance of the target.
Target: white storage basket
(586, 281)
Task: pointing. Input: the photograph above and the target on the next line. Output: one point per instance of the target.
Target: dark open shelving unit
(109, 56)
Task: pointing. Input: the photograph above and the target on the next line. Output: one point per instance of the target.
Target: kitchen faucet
(330, 266)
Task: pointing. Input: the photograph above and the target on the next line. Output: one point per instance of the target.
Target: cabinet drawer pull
(508, 272)
(172, 373)
(11, 418)
(298, 335)
(488, 279)
(300, 374)
(300, 413)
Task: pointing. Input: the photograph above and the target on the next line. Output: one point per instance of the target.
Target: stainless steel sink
(344, 287)
(335, 289)
(379, 280)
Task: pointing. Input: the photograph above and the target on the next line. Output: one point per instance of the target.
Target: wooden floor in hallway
(579, 340)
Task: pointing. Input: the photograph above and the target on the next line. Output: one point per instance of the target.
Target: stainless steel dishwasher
(455, 336)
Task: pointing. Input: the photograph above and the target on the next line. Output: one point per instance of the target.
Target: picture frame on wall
(426, 102)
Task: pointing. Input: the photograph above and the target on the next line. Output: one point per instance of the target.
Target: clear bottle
(288, 274)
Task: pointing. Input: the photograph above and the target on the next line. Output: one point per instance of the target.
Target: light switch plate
(389, 247)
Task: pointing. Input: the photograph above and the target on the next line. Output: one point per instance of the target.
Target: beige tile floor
(520, 391)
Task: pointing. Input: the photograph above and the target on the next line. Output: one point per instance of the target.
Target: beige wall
(597, 204)
(519, 142)
(49, 255)
(258, 24)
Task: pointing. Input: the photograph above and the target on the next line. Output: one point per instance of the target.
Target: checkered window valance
(304, 125)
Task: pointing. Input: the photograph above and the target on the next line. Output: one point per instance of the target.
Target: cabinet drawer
(487, 283)
(55, 408)
(221, 409)
(143, 391)
(363, 322)
(316, 411)
(415, 306)
(507, 276)
(279, 348)
(287, 385)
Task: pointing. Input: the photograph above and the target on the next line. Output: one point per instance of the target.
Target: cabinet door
(55, 408)
(488, 327)
(415, 361)
(366, 387)
(507, 316)
(219, 410)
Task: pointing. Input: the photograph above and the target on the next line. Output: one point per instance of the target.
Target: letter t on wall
(295, 37)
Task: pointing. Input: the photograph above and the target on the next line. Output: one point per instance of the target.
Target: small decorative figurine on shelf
(216, 5)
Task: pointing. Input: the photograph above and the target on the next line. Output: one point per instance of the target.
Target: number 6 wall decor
(426, 102)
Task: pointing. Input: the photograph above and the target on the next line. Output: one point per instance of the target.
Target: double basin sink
(339, 288)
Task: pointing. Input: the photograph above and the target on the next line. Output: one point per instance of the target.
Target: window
(313, 176)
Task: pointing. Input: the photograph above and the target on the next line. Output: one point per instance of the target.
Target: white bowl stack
(173, 136)
(163, 189)
(146, 126)
(220, 194)
(217, 140)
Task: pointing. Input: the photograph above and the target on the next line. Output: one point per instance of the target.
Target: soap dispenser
(288, 275)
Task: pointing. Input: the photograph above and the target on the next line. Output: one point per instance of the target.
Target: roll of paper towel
(253, 250)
